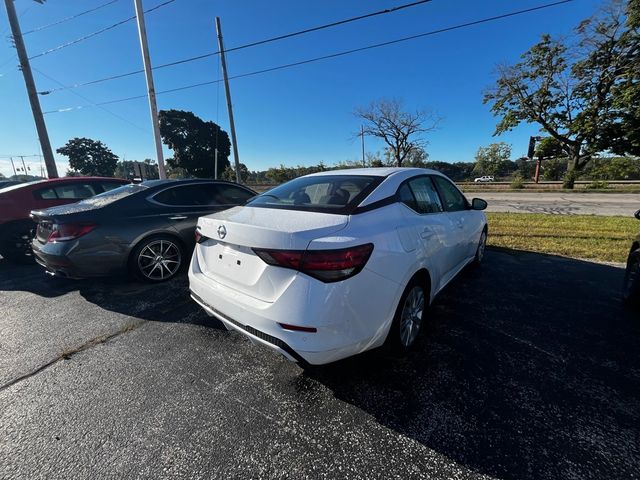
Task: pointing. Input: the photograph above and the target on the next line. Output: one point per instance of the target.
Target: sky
(295, 116)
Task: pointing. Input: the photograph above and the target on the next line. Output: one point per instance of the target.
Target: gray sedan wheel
(157, 259)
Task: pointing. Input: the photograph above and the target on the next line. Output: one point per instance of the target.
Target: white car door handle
(426, 233)
(178, 217)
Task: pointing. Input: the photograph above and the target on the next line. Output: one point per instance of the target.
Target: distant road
(620, 204)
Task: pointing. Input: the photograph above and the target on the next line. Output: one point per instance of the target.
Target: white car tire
(410, 316)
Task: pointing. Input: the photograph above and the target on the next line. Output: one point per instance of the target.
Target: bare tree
(403, 131)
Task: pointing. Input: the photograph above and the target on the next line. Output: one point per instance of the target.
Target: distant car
(146, 228)
(631, 290)
(17, 229)
(335, 263)
(484, 178)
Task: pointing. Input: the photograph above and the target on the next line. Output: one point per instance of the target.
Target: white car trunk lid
(226, 256)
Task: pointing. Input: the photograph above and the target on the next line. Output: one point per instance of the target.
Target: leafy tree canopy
(129, 169)
(89, 157)
(494, 160)
(584, 93)
(549, 147)
(229, 173)
(194, 143)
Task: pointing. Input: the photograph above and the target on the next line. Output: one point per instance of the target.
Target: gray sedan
(146, 229)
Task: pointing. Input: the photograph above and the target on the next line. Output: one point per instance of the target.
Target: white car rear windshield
(324, 193)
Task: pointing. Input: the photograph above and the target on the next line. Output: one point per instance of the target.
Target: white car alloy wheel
(159, 260)
(411, 316)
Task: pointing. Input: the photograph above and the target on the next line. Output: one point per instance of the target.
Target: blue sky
(302, 115)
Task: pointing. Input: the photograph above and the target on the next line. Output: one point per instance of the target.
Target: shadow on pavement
(530, 368)
(166, 302)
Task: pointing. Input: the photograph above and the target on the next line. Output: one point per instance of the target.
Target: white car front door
(464, 224)
(435, 240)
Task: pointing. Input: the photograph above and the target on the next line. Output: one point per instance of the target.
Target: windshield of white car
(339, 194)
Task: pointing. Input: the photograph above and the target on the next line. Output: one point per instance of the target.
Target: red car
(16, 202)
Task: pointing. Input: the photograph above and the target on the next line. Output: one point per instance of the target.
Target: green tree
(616, 168)
(554, 169)
(494, 160)
(194, 142)
(176, 173)
(229, 173)
(280, 174)
(89, 157)
(403, 131)
(128, 169)
(549, 147)
(525, 168)
(577, 92)
(457, 172)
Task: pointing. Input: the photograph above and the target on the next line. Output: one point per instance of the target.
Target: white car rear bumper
(350, 316)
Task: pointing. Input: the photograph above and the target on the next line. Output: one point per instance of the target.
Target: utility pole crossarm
(43, 135)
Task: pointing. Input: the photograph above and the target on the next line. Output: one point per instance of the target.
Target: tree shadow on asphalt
(166, 302)
(529, 368)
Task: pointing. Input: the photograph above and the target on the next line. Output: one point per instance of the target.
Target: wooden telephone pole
(232, 124)
(153, 106)
(43, 135)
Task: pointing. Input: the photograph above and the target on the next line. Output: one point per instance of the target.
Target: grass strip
(600, 238)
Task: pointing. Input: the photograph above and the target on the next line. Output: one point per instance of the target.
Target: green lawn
(579, 236)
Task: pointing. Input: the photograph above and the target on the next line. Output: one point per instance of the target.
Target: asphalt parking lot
(529, 368)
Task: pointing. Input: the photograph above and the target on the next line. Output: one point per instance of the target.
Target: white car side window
(426, 196)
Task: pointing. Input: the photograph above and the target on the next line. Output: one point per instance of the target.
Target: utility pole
(364, 163)
(215, 172)
(142, 31)
(13, 166)
(530, 154)
(23, 164)
(43, 136)
(228, 92)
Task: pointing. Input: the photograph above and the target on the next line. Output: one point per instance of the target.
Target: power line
(98, 32)
(247, 45)
(63, 20)
(335, 55)
(91, 101)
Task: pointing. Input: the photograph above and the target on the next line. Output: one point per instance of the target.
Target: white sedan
(335, 263)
